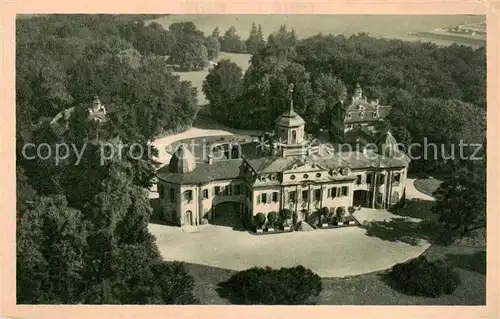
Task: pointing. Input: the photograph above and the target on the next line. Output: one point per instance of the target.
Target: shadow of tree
(474, 262)
(404, 230)
(155, 217)
(415, 208)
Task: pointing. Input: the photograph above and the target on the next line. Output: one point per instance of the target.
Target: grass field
(372, 289)
(197, 77)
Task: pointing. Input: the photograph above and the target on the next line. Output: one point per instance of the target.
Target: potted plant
(259, 219)
(271, 219)
(323, 212)
(339, 214)
(285, 215)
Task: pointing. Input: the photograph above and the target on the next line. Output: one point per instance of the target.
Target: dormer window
(262, 178)
(375, 114)
(361, 107)
(349, 115)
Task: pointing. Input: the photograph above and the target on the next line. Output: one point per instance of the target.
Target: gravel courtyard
(330, 253)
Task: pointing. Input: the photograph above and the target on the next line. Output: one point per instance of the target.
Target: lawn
(373, 288)
(427, 185)
(197, 77)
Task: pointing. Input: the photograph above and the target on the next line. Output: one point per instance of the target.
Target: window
(262, 178)
(380, 179)
(172, 195)
(318, 175)
(349, 115)
(292, 195)
(228, 190)
(188, 195)
(205, 194)
(317, 195)
(306, 176)
(263, 198)
(305, 195)
(275, 197)
(375, 114)
(358, 179)
(332, 192)
(292, 177)
(345, 190)
(294, 136)
(217, 190)
(369, 178)
(396, 178)
(237, 189)
(361, 114)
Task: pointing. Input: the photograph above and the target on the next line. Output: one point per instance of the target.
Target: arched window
(284, 136)
(294, 136)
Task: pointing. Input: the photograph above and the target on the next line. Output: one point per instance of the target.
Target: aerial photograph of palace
(245, 159)
(288, 171)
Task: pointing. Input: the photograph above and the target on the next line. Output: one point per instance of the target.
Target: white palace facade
(283, 170)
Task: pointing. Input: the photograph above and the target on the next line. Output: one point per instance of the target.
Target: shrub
(266, 286)
(314, 218)
(340, 212)
(295, 217)
(421, 277)
(271, 218)
(285, 215)
(350, 209)
(259, 220)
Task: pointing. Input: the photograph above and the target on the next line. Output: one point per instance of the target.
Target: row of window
(396, 178)
(333, 192)
(216, 191)
(305, 176)
(362, 114)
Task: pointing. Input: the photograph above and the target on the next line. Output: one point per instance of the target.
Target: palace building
(281, 170)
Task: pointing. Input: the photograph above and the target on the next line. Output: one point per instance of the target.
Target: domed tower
(290, 125)
(182, 161)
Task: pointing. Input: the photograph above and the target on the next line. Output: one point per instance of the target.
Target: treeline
(438, 93)
(82, 233)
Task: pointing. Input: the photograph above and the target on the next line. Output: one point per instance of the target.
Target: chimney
(210, 159)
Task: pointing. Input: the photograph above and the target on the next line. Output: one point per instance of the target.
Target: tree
(187, 45)
(231, 42)
(267, 95)
(255, 42)
(461, 199)
(282, 41)
(260, 219)
(222, 87)
(285, 215)
(216, 33)
(266, 286)
(213, 48)
(422, 277)
(51, 241)
(271, 219)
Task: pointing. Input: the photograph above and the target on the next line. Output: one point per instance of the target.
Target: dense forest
(437, 93)
(82, 232)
